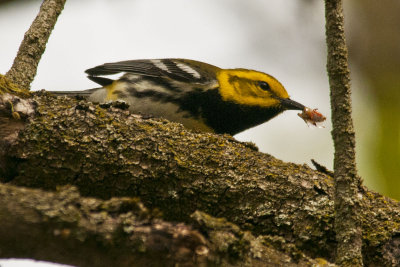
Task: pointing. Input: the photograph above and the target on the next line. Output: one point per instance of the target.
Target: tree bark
(347, 198)
(24, 68)
(107, 152)
(64, 227)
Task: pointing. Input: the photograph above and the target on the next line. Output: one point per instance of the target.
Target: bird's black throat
(224, 116)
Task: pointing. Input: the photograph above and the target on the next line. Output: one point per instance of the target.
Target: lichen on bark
(347, 183)
(107, 152)
(32, 47)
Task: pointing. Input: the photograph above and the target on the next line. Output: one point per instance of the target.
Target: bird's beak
(288, 103)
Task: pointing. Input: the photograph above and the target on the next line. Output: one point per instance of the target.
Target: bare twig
(347, 203)
(32, 47)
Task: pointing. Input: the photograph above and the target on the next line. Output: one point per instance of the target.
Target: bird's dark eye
(264, 85)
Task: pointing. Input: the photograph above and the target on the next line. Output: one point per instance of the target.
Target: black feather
(148, 68)
(101, 80)
(144, 67)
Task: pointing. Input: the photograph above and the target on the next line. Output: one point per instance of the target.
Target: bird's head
(254, 88)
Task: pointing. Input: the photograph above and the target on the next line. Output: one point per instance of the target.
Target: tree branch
(116, 232)
(66, 228)
(347, 198)
(25, 64)
(107, 152)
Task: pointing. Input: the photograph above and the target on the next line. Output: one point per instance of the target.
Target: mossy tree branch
(25, 64)
(64, 227)
(52, 226)
(347, 198)
(107, 152)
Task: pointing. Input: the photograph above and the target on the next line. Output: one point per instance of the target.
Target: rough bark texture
(106, 152)
(32, 47)
(67, 228)
(347, 198)
(116, 232)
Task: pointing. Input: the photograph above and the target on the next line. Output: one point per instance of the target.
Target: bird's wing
(182, 70)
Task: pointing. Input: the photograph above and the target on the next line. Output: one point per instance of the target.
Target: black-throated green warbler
(198, 95)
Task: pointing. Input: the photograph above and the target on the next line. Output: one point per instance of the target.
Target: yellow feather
(112, 89)
(241, 86)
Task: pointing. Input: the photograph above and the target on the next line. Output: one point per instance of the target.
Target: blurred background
(283, 38)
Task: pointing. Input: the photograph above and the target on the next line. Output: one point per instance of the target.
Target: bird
(198, 95)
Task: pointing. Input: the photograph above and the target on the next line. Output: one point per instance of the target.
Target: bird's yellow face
(252, 88)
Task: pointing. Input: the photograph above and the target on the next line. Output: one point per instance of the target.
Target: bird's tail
(84, 93)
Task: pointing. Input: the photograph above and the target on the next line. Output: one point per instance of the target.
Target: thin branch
(25, 64)
(347, 204)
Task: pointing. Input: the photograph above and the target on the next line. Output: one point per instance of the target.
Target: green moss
(320, 262)
(108, 154)
(7, 86)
